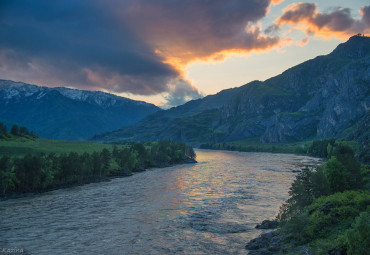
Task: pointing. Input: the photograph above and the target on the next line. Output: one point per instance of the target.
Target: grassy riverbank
(328, 210)
(318, 148)
(22, 146)
(254, 145)
(29, 165)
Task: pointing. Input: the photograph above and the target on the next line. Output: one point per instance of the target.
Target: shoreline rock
(266, 244)
(268, 224)
(274, 242)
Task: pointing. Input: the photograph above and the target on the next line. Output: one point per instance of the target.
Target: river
(210, 207)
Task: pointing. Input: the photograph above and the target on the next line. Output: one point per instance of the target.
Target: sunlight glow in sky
(168, 53)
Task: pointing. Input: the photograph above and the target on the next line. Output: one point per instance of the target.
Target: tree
(115, 152)
(47, 171)
(86, 167)
(2, 129)
(96, 163)
(33, 134)
(23, 131)
(301, 191)
(358, 237)
(7, 174)
(336, 175)
(320, 184)
(15, 130)
(142, 156)
(189, 152)
(105, 160)
(346, 156)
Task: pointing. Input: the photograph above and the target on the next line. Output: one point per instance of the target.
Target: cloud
(131, 46)
(184, 31)
(276, 2)
(365, 13)
(303, 42)
(337, 22)
(68, 42)
(272, 30)
(180, 92)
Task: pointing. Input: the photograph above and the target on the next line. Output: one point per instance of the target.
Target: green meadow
(21, 146)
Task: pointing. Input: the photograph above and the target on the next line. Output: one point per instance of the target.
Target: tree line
(329, 206)
(15, 130)
(42, 172)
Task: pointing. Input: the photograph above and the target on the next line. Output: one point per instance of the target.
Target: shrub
(358, 237)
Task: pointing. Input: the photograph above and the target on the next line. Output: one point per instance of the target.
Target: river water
(207, 208)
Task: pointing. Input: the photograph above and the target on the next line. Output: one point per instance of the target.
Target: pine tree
(15, 130)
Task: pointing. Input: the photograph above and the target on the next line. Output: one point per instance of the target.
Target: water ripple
(207, 208)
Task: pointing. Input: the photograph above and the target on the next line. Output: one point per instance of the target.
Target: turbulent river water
(207, 208)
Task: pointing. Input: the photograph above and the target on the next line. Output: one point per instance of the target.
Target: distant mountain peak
(357, 46)
(65, 113)
(17, 89)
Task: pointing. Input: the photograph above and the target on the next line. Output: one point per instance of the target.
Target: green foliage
(325, 201)
(21, 146)
(40, 172)
(301, 191)
(345, 155)
(2, 129)
(14, 130)
(336, 174)
(7, 175)
(23, 131)
(254, 145)
(358, 237)
(319, 148)
(324, 223)
(365, 176)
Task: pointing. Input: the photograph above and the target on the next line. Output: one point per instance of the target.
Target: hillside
(321, 97)
(63, 113)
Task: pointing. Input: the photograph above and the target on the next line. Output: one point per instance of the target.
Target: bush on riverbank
(326, 204)
(328, 209)
(41, 172)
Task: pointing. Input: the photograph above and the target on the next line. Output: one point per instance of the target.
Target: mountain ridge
(64, 113)
(319, 98)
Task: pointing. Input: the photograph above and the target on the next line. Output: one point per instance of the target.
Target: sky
(168, 52)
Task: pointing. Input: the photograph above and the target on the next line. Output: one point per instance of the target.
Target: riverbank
(327, 213)
(105, 179)
(35, 173)
(314, 148)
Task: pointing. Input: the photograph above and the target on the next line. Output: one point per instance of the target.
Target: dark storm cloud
(365, 12)
(70, 38)
(296, 12)
(135, 46)
(186, 30)
(337, 20)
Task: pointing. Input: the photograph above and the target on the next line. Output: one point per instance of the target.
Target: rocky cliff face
(63, 113)
(319, 98)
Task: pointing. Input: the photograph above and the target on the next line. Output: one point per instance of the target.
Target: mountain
(321, 97)
(63, 113)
